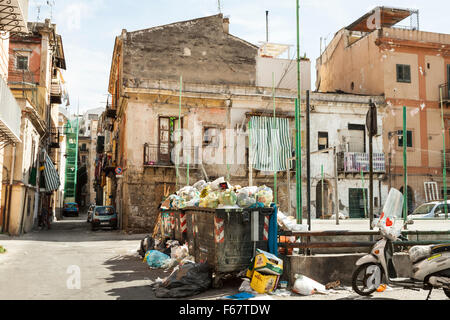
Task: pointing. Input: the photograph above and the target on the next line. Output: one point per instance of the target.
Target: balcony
(160, 156)
(56, 92)
(14, 15)
(10, 116)
(353, 162)
(54, 138)
(445, 89)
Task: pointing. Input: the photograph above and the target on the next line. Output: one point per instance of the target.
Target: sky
(89, 27)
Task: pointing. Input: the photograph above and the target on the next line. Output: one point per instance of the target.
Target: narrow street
(41, 264)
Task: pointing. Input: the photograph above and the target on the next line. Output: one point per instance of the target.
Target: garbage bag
(179, 252)
(306, 286)
(227, 198)
(200, 185)
(210, 201)
(264, 195)
(177, 202)
(188, 193)
(244, 200)
(148, 243)
(155, 258)
(215, 184)
(188, 280)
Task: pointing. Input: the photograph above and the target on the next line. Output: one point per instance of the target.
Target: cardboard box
(263, 283)
(267, 263)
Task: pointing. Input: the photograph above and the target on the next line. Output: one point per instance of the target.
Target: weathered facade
(36, 61)
(373, 56)
(219, 94)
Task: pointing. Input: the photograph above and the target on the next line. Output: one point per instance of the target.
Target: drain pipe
(11, 180)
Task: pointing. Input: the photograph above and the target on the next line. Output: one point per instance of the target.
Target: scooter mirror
(409, 220)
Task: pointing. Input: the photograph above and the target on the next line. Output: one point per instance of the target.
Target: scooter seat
(438, 248)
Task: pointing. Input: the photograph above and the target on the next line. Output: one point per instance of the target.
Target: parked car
(433, 209)
(89, 212)
(104, 216)
(71, 208)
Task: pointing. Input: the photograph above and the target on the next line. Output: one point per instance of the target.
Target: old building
(379, 55)
(197, 72)
(36, 61)
(10, 111)
(340, 155)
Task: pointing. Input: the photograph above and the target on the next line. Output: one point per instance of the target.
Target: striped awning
(52, 182)
(270, 143)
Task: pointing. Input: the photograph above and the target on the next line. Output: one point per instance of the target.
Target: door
(167, 126)
(357, 138)
(357, 200)
(321, 201)
(448, 81)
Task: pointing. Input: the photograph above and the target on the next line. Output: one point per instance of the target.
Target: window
(322, 140)
(83, 159)
(408, 138)
(22, 63)
(211, 136)
(404, 73)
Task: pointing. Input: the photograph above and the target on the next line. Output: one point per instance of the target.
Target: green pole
(179, 128)
(444, 171)
(274, 153)
(298, 124)
(297, 167)
(364, 193)
(405, 170)
(321, 191)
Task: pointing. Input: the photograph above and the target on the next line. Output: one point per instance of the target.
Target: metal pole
(250, 155)
(405, 171)
(444, 150)
(299, 154)
(364, 193)
(297, 166)
(308, 154)
(288, 185)
(321, 191)
(179, 128)
(336, 191)
(267, 26)
(274, 154)
(370, 176)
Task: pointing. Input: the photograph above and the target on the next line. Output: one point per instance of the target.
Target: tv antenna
(219, 6)
(51, 4)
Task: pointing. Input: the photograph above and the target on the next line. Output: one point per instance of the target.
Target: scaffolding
(71, 133)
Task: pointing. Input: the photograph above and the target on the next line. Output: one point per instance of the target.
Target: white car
(431, 210)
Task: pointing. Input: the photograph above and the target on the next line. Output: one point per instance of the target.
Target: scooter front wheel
(366, 279)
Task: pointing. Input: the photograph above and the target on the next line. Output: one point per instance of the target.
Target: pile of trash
(164, 255)
(219, 194)
(263, 273)
(289, 223)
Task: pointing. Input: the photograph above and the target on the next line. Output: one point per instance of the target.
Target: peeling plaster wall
(199, 50)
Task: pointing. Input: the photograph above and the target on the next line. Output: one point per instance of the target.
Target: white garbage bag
(306, 286)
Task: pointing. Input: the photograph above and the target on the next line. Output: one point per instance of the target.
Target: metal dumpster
(223, 238)
(174, 225)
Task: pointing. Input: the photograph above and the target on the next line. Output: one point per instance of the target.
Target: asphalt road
(71, 262)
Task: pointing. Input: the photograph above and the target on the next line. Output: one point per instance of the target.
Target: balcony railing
(445, 89)
(354, 162)
(56, 92)
(10, 116)
(159, 155)
(55, 138)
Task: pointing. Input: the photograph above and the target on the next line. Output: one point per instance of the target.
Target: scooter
(430, 264)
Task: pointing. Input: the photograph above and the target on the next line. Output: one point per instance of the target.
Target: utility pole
(371, 123)
(298, 125)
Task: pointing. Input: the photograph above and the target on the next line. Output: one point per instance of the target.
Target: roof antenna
(267, 26)
(51, 4)
(219, 7)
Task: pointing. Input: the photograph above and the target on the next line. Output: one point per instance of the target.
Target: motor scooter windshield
(392, 209)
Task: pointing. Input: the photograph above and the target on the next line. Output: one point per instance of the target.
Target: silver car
(431, 210)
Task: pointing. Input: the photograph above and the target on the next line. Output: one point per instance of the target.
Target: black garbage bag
(190, 279)
(148, 243)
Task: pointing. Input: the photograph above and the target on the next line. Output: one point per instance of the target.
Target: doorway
(357, 200)
(322, 201)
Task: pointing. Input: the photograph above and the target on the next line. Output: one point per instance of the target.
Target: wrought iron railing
(165, 155)
(445, 89)
(354, 162)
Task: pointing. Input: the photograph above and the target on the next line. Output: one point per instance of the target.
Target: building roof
(380, 17)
